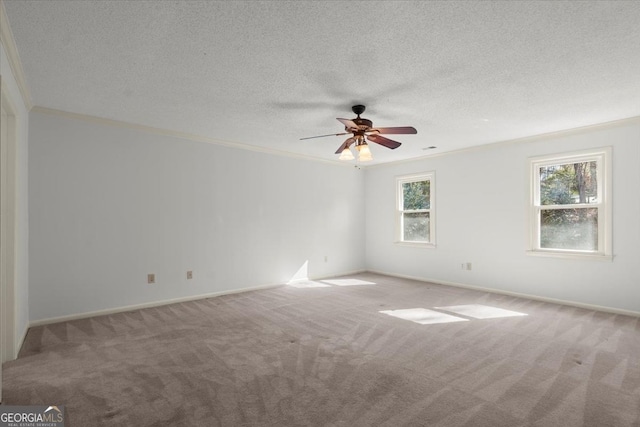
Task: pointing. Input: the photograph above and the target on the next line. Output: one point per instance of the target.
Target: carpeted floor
(327, 356)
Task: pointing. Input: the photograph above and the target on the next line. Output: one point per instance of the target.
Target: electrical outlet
(189, 274)
(326, 258)
(151, 278)
(468, 266)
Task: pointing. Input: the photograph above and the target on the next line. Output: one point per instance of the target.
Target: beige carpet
(327, 356)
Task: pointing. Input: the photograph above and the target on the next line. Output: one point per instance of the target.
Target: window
(415, 213)
(571, 204)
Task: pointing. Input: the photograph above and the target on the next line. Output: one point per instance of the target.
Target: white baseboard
(333, 276)
(115, 310)
(145, 305)
(514, 294)
(254, 288)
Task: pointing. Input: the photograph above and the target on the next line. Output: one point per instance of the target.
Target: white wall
(111, 204)
(22, 200)
(481, 199)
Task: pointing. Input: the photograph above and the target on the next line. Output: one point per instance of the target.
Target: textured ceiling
(268, 73)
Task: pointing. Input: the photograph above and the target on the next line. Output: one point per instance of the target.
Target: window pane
(569, 229)
(415, 227)
(415, 195)
(568, 184)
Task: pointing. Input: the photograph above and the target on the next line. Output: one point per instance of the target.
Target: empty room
(320, 213)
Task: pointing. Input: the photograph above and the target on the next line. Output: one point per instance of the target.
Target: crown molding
(238, 145)
(10, 49)
(524, 140)
(181, 135)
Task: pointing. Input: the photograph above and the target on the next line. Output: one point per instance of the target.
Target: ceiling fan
(363, 131)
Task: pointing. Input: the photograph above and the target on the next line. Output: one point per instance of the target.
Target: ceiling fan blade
(406, 130)
(346, 144)
(322, 136)
(349, 124)
(389, 143)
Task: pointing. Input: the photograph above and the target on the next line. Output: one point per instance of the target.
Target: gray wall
(110, 204)
(481, 208)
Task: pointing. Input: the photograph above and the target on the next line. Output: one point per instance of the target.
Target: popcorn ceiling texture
(269, 73)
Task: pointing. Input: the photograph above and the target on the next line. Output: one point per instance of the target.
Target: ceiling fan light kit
(364, 153)
(346, 155)
(363, 131)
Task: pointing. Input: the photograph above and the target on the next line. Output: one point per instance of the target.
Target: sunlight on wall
(301, 280)
(301, 275)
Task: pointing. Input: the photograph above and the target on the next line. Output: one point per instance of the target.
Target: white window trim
(424, 176)
(604, 205)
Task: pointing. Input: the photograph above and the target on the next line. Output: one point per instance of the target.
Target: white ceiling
(268, 73)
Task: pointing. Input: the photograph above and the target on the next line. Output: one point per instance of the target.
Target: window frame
(602, 157)
(416, 177)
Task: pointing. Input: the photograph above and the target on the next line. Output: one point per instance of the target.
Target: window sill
(427, 245)
(570, 255)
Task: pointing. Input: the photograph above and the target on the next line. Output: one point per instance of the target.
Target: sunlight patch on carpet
(479, 311)
(348, 282)
(307, 284)
(423, 316)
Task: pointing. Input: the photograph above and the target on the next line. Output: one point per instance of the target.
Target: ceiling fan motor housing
(363, 124)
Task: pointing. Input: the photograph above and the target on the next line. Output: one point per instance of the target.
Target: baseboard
(254, 288)
(145, 305)
(333, 276)
(602, 308)
(160, 303)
